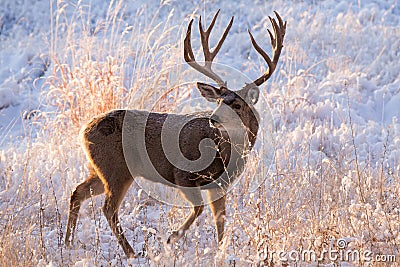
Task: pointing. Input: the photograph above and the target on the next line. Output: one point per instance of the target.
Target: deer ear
(209, 92)
(252, 94)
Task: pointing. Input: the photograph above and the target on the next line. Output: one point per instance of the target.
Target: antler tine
(281, 24)
(208, 55)
(259, 49)
(187, 51)
(209, 29)
(205, 35)
(222, 40)
(277, 45)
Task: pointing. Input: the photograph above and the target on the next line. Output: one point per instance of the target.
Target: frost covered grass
(334, 102)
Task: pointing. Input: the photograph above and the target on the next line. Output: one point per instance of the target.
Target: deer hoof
(175, 236)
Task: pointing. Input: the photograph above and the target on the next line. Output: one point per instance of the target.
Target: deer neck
(252, 128)
(243, 137)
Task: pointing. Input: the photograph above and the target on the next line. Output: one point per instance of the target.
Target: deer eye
(236, 106)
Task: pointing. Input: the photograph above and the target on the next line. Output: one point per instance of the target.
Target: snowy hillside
(333, 175)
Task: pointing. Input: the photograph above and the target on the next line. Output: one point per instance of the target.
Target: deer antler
(277, 45)
(208, 55)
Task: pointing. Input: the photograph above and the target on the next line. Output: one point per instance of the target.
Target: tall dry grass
(94, 68)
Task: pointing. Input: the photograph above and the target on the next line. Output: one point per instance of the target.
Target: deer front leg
(196, 200)
(111, 205)
(217, 205)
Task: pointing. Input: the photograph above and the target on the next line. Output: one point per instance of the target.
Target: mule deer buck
(123, 144)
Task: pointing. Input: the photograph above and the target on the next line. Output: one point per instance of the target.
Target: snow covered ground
(334, 99)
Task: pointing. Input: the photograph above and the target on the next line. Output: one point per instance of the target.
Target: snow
(334, 100)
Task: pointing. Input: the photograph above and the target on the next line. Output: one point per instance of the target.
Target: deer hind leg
(217, 205)
(92, 186)
(196, 200)
(114, 197)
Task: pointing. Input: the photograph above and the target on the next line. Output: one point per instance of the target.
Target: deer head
(233, 102)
